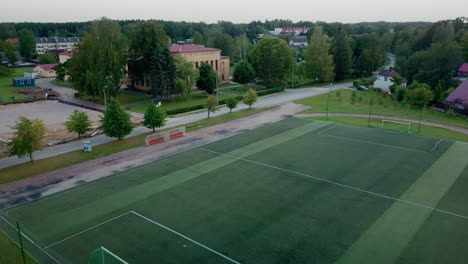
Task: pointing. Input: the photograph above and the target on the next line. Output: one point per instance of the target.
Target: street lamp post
(370, 107)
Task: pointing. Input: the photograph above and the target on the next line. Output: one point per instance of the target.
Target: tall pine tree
(163, 73)
(342, 55)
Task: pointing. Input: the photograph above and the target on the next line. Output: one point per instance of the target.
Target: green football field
(295, 191)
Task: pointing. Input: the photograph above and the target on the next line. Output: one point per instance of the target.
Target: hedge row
(221, 102)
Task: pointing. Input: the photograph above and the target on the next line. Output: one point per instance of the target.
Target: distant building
(386, 78)
(197, 55)
(4, 60)
(458, 99)
(64, 56)
(296, 31)
(46, 70)
(14, 40)
(31, 74)
(23, 82)
(56, 44)
(298, 42)
(463, 70)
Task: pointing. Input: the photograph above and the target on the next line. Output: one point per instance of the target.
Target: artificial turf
(296, 191)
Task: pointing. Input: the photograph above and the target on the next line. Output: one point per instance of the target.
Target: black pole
(21, 242)
(420, 118)
(370, 107)
(328, 100)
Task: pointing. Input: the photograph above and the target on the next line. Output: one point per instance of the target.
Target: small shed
(23, 82)
(31, 74)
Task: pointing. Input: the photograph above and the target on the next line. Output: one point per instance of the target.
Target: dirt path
(430, 123)
(62, 179)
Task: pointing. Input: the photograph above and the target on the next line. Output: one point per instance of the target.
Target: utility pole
(370, 106)
(21, 242)
(292, 77)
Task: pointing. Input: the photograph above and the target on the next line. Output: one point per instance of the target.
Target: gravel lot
(51, 112)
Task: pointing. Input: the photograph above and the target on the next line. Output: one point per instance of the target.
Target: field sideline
(295, 191)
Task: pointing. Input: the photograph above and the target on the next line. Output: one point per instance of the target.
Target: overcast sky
(233, 10)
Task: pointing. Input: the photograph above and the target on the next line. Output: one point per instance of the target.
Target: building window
(196, 64)
(216, 65)
(211, 64)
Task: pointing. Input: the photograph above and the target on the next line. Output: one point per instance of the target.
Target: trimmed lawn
(7, 90)
(122, 97)
(426, 130)
(241, 90)
(71, 158)
(195, 99)
(10, 252)
(340, 102)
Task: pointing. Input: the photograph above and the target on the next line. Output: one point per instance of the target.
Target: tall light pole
(292, 77)
(370, 106)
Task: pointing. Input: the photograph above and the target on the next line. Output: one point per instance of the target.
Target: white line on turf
(436, 145)
(30, 240)
(81, 232)
(323, 131)
(373, 143)
(186, 237)
(342, 185)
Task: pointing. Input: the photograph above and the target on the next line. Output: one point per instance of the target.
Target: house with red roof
(14, 40)
(46, 70)
(463, 70)
(458, 99)
(65, 55)
(197, 55)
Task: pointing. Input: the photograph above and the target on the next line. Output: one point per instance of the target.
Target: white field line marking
(330, 128)
(436, 145)
(186, 237)
(344, 185)
(373, 143)
(115, 256)
(30, 240)
(83, 231)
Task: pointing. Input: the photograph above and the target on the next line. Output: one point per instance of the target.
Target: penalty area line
(343, 185)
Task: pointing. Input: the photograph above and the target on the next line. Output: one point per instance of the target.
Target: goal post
(397, 125)
(105, 256)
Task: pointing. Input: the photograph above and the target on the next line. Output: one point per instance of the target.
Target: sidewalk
(263, 102)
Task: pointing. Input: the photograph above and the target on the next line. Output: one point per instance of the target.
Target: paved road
(424, 122)
(264, 102)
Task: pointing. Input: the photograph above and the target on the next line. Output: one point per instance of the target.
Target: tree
(221, 41)
(186, 76)
(198, 38)
(154, 117)
(78, 122)
(145, 37)
(10, 49)
(211, 104)
(62, 70)
(27, 45)
(231, 103)
(162, 73)
(250, 98)
(419, 97)
(242, 47)
(47, 58)
(464, 46)
(342, 55)
(207, 79)
(318, 61)
(98, 63)
(243, 73)
(272, 60)
(116, 121)
(27, 138)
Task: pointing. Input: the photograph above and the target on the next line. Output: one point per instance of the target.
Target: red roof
(463, 68)
(460, 94)
(182, 48)
(14, 40)
(66, 53)
(47, 67)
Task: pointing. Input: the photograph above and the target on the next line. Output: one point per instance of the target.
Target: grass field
(7, 90)
(431, 131)
(122, 97)
(296, 191)
(241, 90)
(195, 99)
(382, 105)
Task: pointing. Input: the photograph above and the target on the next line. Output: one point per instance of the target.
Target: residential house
(386, 78)
(458, 99)
(56, 44)
(46, 70)
(463, 70)
(65, 55)
(298, 42)
(197, 55)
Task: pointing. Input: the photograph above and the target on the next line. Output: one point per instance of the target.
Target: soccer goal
(104, 256)
(397, 125)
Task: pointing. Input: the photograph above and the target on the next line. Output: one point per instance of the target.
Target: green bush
(353, 97)
(269, 91)
(185, 109)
